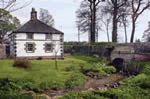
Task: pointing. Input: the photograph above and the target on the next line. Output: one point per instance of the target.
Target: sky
(63, 11)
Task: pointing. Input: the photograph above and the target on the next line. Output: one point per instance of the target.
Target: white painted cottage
(35, 39)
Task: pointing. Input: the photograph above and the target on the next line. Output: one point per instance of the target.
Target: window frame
(45, 48)
(27, 47)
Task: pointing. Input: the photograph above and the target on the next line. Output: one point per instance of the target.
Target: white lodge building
(35, 39)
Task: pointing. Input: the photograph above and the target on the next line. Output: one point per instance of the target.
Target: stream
(89, 84)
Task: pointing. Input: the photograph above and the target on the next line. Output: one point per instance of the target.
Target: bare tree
(56, 47)
(87, 17)
(138, 7)
(13, 5)
(114, 7)
(46, 17)
(124, 20)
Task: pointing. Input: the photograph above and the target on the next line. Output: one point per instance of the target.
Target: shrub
(71, 68)
(22, 63)
(39, 58)
(74, 80)
(81, 95)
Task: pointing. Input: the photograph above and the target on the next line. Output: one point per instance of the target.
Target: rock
(121, 83)
(90, 89)
(107, 85)
(102, 88)
(44, 95)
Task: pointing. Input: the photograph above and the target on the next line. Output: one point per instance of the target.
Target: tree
(8, 23)
(93, 9)
(114, 7)
(83, 17)
(87, 17)
(138, 7)
(46, 17)
(146, 34)
(12, 5)
(56, 47)
(124, 20)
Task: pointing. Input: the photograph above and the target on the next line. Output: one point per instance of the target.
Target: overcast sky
(63, 12)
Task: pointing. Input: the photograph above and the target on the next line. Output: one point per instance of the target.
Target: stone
(90, 89)
(121, 83)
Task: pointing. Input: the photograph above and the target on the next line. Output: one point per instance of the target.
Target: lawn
(41, 70)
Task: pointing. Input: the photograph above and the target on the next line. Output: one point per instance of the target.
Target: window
(30, 47)
(29, 35)
(48, 36)
(48, 47)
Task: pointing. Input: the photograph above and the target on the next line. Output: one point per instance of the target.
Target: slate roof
(36, 26)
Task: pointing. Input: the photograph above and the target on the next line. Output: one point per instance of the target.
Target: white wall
(39, 40)
(21, 36)
(56, 36)
(38, 36)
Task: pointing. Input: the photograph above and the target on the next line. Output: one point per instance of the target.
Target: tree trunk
(115, 21)
(93, 14)
(125, 31)
(107, 31)
(133, 29)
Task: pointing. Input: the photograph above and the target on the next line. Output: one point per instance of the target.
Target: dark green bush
(22, 63)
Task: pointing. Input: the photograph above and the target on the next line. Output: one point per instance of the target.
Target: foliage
(137, 87)
(72, 67)
(81, 95)
(22, 63)
(97, 67)
(8, 23)
(74, 80)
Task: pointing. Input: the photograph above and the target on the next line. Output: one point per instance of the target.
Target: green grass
(44, 74)
(42, 70)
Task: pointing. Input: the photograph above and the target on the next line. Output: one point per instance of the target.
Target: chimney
(33, 14)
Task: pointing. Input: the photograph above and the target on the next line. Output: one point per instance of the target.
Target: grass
(41, 70)
(44, 75)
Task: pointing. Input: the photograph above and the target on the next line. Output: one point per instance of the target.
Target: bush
(97, 67)
(22, 63)
(74, 80)
(81, 95)
(71, 68)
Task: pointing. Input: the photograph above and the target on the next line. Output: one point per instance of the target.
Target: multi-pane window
(48, 47)
(29, 35)
(48, 36)
(30, 47)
